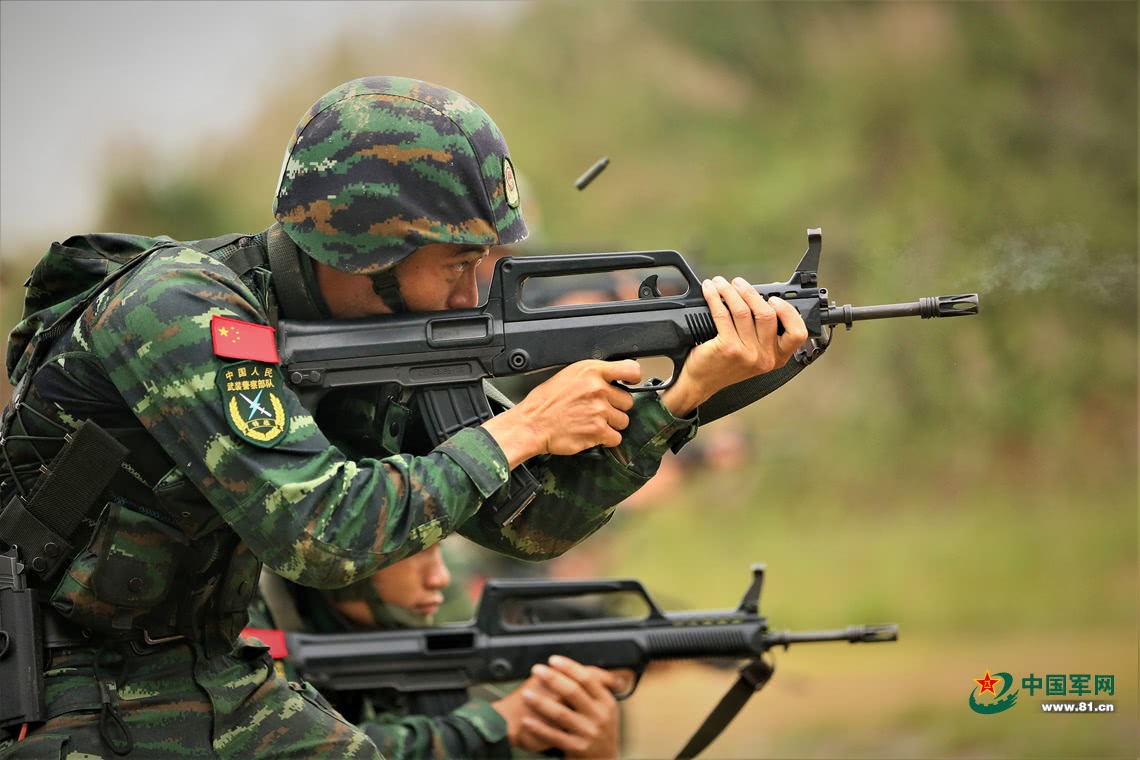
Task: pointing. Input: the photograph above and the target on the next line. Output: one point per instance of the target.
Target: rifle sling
(740, 395)
(753, 676)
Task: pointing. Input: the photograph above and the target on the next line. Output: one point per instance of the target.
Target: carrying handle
(496, 591)
(511, 272)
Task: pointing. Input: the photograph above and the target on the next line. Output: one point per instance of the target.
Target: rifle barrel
(927, 308)
(856, 634)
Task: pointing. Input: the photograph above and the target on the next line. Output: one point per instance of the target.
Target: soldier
(153, 459)
(564, 706)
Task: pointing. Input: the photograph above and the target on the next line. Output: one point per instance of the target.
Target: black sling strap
(740, 395)
(753, 676)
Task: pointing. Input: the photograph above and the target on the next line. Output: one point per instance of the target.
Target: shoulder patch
(252, 402)
(235, 339)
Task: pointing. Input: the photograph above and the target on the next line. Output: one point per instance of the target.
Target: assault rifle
(444, 356)
(498, 647)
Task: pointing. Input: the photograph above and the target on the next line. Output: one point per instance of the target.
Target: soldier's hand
(582, 720)
(575, 410)
(518, 707)
(746, 344)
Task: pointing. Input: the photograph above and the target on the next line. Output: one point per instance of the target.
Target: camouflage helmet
(381, 166)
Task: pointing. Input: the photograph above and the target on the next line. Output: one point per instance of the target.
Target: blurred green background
(973, 480)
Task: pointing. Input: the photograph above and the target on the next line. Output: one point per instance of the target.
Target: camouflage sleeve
(578, 494)
(308, 512)
(473, 730)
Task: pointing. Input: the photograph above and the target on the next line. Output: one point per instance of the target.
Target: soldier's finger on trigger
(627, 370)
(603, 684)
(595, 680)
(565, 687)
(584, 675)
(619, 398)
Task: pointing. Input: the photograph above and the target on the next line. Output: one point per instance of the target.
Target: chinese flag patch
(273, 639)
(235, 339)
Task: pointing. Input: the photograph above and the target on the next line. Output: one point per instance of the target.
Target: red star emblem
(987, 684)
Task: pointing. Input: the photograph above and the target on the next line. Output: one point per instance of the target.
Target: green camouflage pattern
(139, 362)
(177, 702)
(67, 273)
(381, 166)
(473, 729)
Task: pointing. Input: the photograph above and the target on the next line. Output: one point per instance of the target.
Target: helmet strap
(293, 279)
(385, 285)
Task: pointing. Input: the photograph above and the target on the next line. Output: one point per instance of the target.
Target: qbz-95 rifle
(445, 356)
(493, 649)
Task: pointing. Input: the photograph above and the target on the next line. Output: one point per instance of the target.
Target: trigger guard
(654, 384)
(624, 695)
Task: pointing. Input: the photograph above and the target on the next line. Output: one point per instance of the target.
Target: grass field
(987, 561)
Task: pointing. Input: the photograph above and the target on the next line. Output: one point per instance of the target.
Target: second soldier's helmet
(381, 166)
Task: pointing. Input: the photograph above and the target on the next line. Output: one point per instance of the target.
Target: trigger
(648, 288)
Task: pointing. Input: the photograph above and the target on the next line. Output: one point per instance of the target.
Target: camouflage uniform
(221, 478)
(403, 727)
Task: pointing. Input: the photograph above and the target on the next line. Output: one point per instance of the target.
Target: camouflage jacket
(143, 361)
(401, 727)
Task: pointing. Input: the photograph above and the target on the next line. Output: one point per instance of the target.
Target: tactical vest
(118, 542)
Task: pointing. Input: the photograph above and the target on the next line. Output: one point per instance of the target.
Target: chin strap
(297, 299)
(385, 285)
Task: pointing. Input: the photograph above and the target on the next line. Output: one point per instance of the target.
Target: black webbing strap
(241, 260)
(753, 676)
(66, 493)
(288, 279)
(209, 245)
(740, 395)
(230, 251)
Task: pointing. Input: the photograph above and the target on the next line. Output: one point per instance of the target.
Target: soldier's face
(435, 278)
(415, 583)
